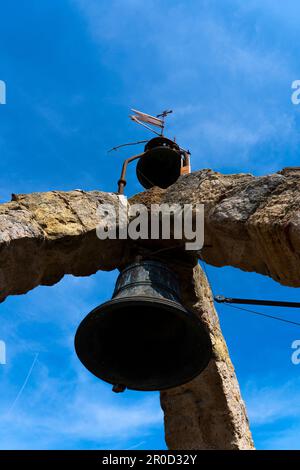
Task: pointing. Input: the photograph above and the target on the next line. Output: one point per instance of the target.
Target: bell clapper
(118, 388)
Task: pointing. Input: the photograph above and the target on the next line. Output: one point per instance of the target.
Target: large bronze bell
(161, 163)
(144, 338)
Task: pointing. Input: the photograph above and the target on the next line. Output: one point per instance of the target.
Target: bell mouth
(143, 343)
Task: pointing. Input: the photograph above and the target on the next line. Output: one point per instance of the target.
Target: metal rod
(269, 303)
(144, 125)
(187, 160)
(129, 143)
(122, 180)
(163, 116)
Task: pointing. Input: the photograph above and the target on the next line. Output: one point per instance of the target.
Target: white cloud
(55, 120)
(62, 405)
(285, 440)
(230, 80)
(54, 412)
(269, 404)
(274, 413)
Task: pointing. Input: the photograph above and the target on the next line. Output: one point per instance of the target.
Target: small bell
(161, 163)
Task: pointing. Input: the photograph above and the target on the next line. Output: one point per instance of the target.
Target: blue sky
(73, 68)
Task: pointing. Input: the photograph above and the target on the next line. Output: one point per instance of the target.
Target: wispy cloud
(48, 399)
(269, 403)
(230, 80)
(274, 412)
(288, 439)
(58, 413)
(55, 120)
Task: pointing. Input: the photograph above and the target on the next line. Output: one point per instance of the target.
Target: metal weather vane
(158, 120)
